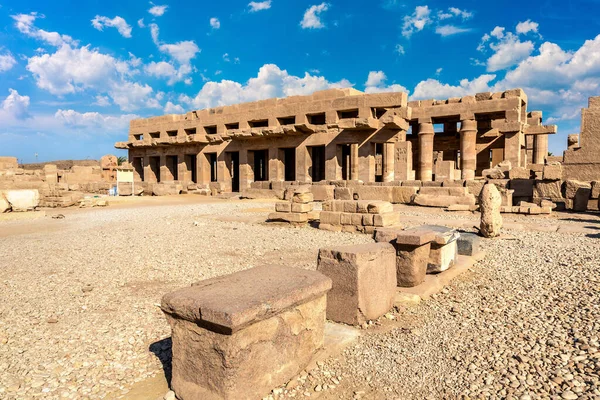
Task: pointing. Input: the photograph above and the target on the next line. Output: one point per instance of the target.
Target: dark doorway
(212, 161)
(378, 162)
(190, 165)
(172, 167)
(346, 163)
(289, 164)
(138, 166)
(155, 167)
(233, 165)
(317, 154)
(260, 165)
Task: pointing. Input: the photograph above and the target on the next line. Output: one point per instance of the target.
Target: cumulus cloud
(171, 108)
(141, 23)
(527, 26)
(417, 21)
(157, 11)
(74, 119)
(312, 16)
(7, 61)
(215, 23)
(102, 101)
(399, 49)
(376, 84)
(434, 89)
(99, 22)
(507, 49)
(271, 81)
(181, 54)
(25, 24)
(255, 6)
(15, 106)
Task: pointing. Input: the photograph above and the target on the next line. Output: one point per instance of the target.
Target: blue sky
(72, 75)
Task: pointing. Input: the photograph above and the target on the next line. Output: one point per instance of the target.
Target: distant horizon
(73, 77)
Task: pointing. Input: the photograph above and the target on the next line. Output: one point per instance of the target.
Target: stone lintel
(541, 130)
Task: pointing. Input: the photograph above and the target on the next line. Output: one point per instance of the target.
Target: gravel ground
(79, 295)
(79, 315)
(524, 324)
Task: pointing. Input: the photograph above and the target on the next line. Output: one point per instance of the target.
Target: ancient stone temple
(338, 134)
(581, 160)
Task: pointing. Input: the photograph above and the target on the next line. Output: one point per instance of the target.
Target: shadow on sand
(163, 351)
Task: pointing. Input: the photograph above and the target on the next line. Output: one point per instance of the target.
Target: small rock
(170, 395)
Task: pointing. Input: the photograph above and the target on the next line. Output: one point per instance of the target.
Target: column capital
(426, 128)
(468, 125)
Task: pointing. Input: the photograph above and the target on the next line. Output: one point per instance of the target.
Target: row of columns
(468, 149)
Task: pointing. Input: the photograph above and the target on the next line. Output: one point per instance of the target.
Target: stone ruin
(25, 189)
(242, 335)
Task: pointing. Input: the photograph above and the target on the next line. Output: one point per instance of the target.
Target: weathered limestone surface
(444, 249)
(364, 281)
(468, 244)
(241, 335)
(23, 200)
(431, 200)
(490, 202)
(412, 255)
(4, 204)
(572, 187)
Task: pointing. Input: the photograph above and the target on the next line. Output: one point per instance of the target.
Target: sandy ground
(79, 315)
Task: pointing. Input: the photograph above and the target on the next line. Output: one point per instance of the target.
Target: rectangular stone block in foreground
(364, 281)
(241, 335)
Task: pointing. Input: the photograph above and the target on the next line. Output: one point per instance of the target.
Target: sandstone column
(303, 164)
(246, 173)
(388, 162)
(276, 172)
(468, 149)
(354, 161)
(426, 151)
(540, 149)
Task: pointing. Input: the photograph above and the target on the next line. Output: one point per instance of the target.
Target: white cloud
(271, 81)
(99, 22)
(312, 16)
(259, 5)
(15, 106)
(448, 30)
(181, 53)
(158, 11)
(74, 119)
(164, 69)
(417, 21)
(226, 57)
(434, 89)
(102, 101)
(399, 49)
(131, 96)
(24, 23)
(507, 49)
(215, 23)
(376, 84)
(438, 71)
(7, 61)
(527, 26)
(460, 13)
(171, 108)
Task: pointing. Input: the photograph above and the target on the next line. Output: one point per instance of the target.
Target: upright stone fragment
(241, 335)
(412, 255)
(364, 281)
(490, 202)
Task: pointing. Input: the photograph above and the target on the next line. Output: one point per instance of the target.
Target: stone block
(283, 206)
(468, 244)
(301, 207)
(411, 263)
(519, 173)
(362, 206)
(403, 194)
(330, 217)
(343, 193)
(493, 173)
(552, 172)
(349, 206)
(4, 204)
(23, 199)
(522, 187)
(427, 200)
(386, 219)
(379, 207)
(581, 199)
(417, 236)
(412, 183)
(444, 191)
(303, 198)
(591, 206)
(432, 184)
(387, 234)
(346, 219)
(573, 186)
(364, 281)
(367, 219)
(290, 217)
(241, 335)
(595, 190)
(330, 228)
(373, 193)
(322, 192)
(547, 189)
(443, 248)
(475, 187)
